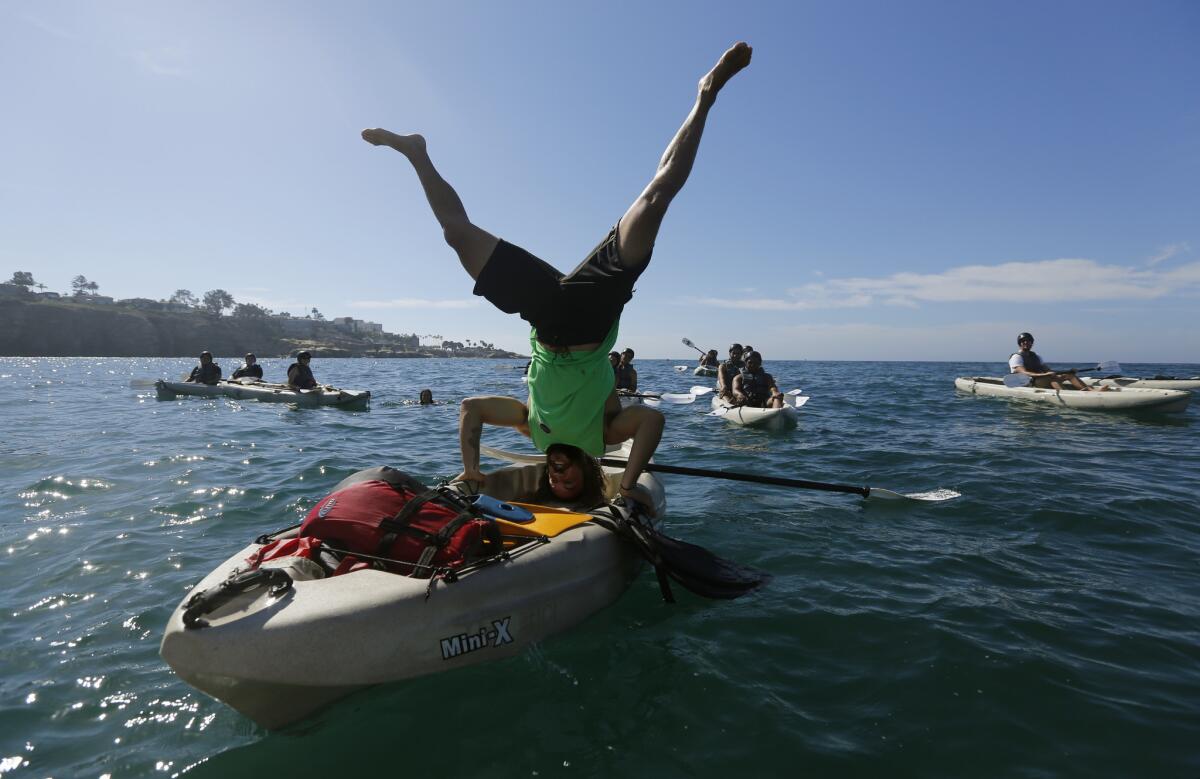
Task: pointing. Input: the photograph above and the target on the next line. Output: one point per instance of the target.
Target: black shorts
(578, 308)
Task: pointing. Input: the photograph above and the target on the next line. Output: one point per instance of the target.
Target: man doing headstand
(574, 317)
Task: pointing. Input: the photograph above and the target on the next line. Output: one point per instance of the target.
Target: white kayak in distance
(1152, 382)
(244, 389)
(704, 370)
(748, 416)
(1115, 399)
(283, 649)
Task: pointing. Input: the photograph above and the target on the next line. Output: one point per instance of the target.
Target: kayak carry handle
(214, 597)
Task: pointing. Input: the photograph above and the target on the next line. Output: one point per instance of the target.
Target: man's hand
(474, 475)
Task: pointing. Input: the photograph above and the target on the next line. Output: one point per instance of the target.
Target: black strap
(400, 523)
(240, 581)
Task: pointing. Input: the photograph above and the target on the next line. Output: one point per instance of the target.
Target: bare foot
(405, 144)
(726, 68)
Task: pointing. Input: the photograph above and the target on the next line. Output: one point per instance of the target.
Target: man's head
(426, 397)
(711, 353)
(627, 356)
(753, 360)
(303, 357)
(735, 352)
(746, 350)
(614, 358)
(250, 358)
(1025, 341)
(571, 475)
(206, 356)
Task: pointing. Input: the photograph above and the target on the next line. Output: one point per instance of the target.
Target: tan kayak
(1115, 399)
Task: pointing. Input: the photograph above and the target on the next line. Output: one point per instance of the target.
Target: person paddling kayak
(755, 387)
(300, 375)
(625, 373)
(207, 372)
(574, 317)
(728, 371)
(251, 369)
(1027, 361)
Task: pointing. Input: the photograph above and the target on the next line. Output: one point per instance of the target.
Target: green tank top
(567, 394)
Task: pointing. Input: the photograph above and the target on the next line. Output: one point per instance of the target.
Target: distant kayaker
(710, 359)
(251, 370)
(1027, 361)
(728, 370)
(625, 373)
(299, 375)
(755, 387)
(207, 372)
(574, 318)
(426, 397)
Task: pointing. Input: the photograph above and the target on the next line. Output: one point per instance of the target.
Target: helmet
(1024, 337)
(303, 355)
(735, 347)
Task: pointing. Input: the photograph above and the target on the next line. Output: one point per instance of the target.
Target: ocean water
(1046, 623)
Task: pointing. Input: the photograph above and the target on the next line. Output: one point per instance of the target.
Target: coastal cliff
(70, 329)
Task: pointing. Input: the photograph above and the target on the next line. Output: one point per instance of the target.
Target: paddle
(1024, 379)
(678, 398)
(866, 492)
(688, 342)
(1108, 366)
(682, 368)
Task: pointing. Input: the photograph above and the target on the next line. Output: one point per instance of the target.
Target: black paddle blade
(698, 569)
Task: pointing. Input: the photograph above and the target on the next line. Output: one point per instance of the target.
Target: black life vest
(303, 376)
(249, 371)
(755, 387)
(206, 374)
(1032, 362)
(624, 376)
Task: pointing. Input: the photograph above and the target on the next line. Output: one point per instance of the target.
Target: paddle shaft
(750, 477)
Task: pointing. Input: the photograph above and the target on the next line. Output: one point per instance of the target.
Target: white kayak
(1115, 399)
(263, 391)
(749, 416)
(1153, 382)
(704, 370)
(277, 659)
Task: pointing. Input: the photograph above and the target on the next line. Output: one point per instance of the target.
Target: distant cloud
(1045, 281)
(1166, 253)
(51, 29)
(165, 61)
(414, 303)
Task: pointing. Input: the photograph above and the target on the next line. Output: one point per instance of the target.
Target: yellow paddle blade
(547, 521)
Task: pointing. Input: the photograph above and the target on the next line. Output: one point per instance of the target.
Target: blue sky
(885, 181)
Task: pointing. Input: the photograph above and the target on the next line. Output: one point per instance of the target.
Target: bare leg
(490, 409)
(644, 425)
(473, 244)
(639, 226)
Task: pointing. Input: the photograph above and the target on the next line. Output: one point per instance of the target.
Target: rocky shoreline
(66, 328)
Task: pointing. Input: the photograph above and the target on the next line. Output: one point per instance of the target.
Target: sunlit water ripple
(1043, 624)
